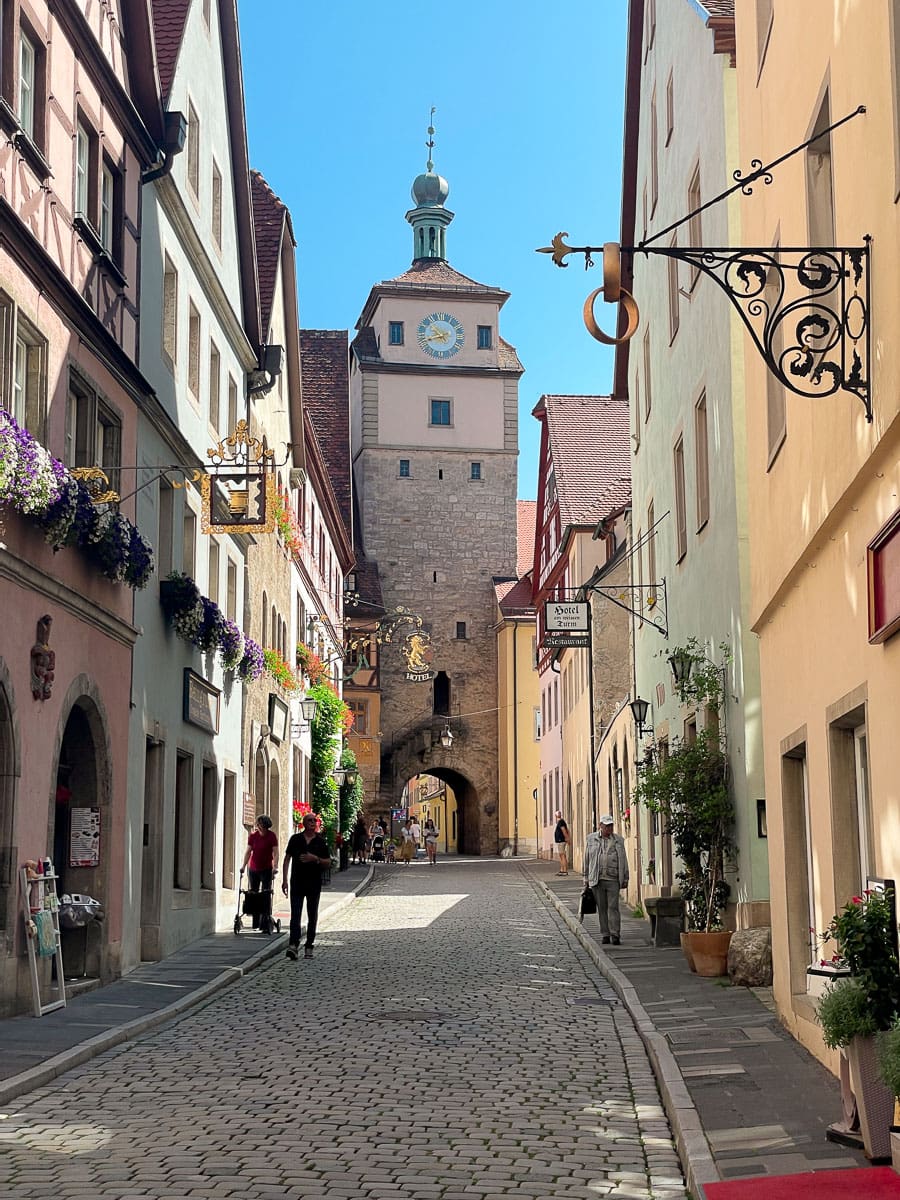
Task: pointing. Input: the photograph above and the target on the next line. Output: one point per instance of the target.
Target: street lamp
(447, 738)
(339, 775)
(308, 708)
(639, 709)
(681, 662)
(350, 775)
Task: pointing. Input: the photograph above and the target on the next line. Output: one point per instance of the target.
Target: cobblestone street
(451, 1040)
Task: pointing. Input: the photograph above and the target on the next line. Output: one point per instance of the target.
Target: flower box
(818, 978)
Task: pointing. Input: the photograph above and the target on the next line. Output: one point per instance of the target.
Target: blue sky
(529, 135)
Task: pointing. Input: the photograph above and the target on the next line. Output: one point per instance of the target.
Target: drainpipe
(174, 138)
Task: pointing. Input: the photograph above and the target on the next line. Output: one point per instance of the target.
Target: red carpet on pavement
(863, 1183)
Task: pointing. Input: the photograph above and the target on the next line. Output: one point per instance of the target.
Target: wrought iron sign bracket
(646, 601)
(807, 309)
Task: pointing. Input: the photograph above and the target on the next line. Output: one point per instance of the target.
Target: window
(209, 803)
(670, 108)
(25, 108)
(485, 337)
(674, 314)
(166, 560)
(82, 170)
(395, 333)
(460, 631)
(701, 454)
(189, 542)
(108, 223)
(93, 431)
(819, 188)
(680, 506)
(651, 556)
(654, 155)
(648, 393)
(475, 470)
(440, 411)
(170, 311)
(215, 381)
(216, 206)
(636, 436)
(193, 350)
(231, 592)
(695, 224)
(537, 724)
(404, 468)
(776, 409)
(232, 405)
(193, 150)
(764, 15)
(184, 804)
(212, 586)
(23, 369)
(229, 828)
(360, 710)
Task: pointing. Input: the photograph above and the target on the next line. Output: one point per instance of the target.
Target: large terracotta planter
(710, 952)
(873, 1099)
(687, 952)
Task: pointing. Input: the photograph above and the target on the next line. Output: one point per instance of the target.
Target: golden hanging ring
(631, 311)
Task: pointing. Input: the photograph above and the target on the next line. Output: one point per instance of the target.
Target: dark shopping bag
(587, 903)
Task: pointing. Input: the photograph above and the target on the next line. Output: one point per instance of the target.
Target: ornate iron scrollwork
(806, 309)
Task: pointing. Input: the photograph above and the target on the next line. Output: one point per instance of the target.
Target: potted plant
(853, 1010)
(690, 789)
(888, 1044)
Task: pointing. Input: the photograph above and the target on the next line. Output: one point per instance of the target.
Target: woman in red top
(261, 848)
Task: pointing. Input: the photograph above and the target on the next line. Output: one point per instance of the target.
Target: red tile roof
(437, 273)
(526, 514)
(719, 8)
(169, 19)
(326, 397)
(507, 359)
(514, 596)
(269, 217)
(589, 444)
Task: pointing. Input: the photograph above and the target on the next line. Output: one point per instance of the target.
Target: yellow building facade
(824, 484)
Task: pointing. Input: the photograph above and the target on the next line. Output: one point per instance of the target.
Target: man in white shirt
(416, 831)
(606, 873)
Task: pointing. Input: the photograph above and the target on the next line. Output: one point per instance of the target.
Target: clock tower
(434, 438)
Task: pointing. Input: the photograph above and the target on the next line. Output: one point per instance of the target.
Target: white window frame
(27, 67)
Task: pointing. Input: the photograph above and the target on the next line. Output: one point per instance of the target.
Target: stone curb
(35, 1077)
(693, 1148)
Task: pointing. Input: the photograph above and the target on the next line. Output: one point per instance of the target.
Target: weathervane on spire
(429, 166)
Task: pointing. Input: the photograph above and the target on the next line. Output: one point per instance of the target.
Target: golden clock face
(440, 335)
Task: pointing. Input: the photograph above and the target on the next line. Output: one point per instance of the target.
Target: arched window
(265, 618)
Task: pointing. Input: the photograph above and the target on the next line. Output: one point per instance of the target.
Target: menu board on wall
(84, 837)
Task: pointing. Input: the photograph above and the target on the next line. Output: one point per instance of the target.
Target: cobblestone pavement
(450, 1041)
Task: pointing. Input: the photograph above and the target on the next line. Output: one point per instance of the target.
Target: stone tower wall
(438, 538)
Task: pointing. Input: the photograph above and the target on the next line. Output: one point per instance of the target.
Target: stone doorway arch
(10, 768)
(475, 791)
(82, 780)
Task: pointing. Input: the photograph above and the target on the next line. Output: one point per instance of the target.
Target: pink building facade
(76, 138)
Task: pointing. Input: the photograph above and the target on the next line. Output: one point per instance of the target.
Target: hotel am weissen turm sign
(566, 624)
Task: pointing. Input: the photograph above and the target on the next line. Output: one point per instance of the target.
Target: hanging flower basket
(37, 486)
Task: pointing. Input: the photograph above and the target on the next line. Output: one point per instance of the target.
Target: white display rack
(39, 895)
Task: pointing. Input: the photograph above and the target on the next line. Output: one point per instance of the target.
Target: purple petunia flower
(252, 664)
(231, 645)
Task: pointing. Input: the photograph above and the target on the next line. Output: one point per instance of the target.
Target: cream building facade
(683, 374)
(823, 482)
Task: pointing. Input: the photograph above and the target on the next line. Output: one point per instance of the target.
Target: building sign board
(567, 641)
(278, 718)
(249, 817)
(566, 616)
(201, 701)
